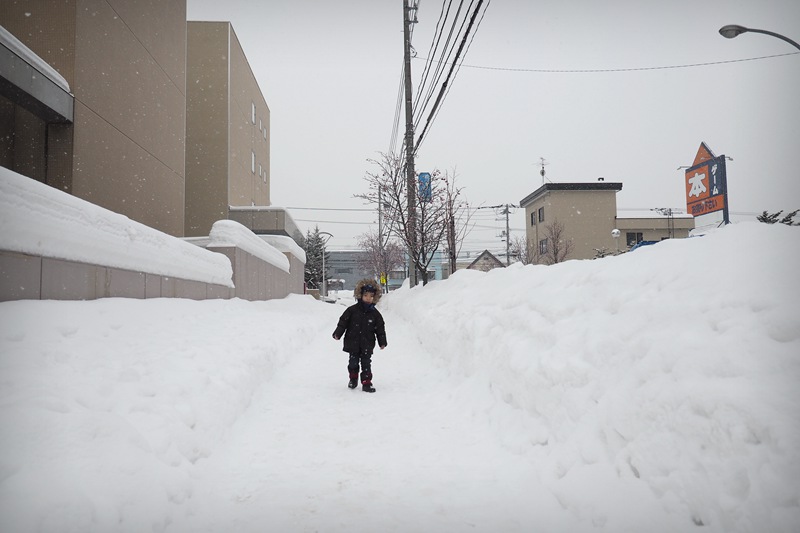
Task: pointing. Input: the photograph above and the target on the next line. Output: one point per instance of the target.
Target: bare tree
(557, 248)
(457, 217)
(524, 250)
(378, 257)
(387, 190)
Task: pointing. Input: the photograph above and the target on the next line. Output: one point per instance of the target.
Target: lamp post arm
(778, 35)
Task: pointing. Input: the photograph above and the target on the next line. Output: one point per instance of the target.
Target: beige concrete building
(227, 131)
(94, 102)
(124, 62)
(588, 214)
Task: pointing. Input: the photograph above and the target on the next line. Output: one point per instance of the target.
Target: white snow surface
(653, 391)
(40, 220)
(230, 233)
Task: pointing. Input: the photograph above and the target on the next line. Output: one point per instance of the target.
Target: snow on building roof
(25, 53)
(623, 212)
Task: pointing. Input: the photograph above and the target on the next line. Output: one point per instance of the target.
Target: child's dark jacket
(361, 325)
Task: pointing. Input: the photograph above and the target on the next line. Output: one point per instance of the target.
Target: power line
(335, 222)
(329, 209)
(634, 69)
(446, 51)
(458, 69)
(437, 34)
(444, 89)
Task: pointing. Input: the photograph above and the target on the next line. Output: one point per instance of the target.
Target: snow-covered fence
(56, 246)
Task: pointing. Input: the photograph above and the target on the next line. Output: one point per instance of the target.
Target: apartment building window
(253, 112)
(260, 172)
(633, 238)
(253, 162)
(260, 126)
(541, 214)
(264, 131)
(533, 218)
(543, 246)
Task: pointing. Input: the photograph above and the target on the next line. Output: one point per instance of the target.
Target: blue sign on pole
(425, 186)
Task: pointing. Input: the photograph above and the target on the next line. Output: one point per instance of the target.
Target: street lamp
(324, 275)
(732, 30)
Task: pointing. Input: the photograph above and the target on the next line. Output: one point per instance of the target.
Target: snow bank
(39, 220)
(656, 384)
(227, 233)
(108, 438)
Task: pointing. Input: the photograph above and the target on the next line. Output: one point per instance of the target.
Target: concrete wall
(28, 277)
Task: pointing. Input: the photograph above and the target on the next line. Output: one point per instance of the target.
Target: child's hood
(367, 281)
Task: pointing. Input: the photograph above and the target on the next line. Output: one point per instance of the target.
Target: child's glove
(382, 347)
(335, 337)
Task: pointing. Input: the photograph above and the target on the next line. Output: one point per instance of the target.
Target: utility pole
(508, 239)
(451, 237)
(380, 239)
(410, 174)
(506, 211)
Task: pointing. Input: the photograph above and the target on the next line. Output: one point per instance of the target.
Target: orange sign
(706, 184)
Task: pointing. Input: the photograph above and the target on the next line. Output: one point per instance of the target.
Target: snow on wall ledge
(229, 233)
(285, 244)
(37, 219)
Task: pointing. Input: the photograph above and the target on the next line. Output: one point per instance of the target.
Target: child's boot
(366, 382)
(353, 380)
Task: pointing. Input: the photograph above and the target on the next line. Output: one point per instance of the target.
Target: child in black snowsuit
(361, 324)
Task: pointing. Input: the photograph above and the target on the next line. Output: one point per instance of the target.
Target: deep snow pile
(661, 381)
(652, 391)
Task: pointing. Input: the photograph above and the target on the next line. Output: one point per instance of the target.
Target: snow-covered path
(312, 455)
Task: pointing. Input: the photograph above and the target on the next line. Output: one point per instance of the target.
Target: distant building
(485, 262)
(588, 213)
(437, 270)
(636, 227)
(344, 265)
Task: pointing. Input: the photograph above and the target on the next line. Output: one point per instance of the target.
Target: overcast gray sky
(330, 72)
